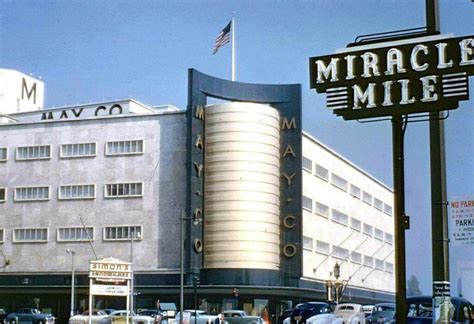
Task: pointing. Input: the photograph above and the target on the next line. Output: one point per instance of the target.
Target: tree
(413, 286)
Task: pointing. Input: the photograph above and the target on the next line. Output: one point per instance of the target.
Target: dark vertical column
(400, 218)
(439, 211)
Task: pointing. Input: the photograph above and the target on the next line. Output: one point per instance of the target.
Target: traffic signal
(196, 282)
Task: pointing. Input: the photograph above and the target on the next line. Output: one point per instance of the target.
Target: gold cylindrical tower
(242, 186)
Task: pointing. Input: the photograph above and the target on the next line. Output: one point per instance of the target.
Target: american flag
(223, 38)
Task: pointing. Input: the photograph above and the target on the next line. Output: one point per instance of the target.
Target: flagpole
(233, 46)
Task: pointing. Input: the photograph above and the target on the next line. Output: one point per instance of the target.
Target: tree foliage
(413, 286)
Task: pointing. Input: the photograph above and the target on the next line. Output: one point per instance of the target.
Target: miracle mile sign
(424, 74)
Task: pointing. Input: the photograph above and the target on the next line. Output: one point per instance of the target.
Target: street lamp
(181, 266)
(338, 285)
(134, 236)
(72, 280)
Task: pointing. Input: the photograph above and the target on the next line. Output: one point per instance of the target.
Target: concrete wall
(161, 169)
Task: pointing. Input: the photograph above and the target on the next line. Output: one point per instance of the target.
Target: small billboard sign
(461, 221)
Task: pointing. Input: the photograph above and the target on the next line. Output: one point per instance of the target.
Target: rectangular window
(307, 164)
(369, 230)
(123, 233)
(3, 194)
(355, 191)
(31, 193)
(307, 243)
(123, 190)
(356, 224)
(322, 209)
(75, 234)
(307, 203)
(378, 204)
(387, 209)
(388, 238)
(339, 182)
(322, 172)
(30, 235)
(124, 147)
(339, 252)
(322, 247)
(71, 192)
(378, 234)
(39, 152)
(2, 235)
(3, 154)
(379, 264)
(367, 198)
(356, 257)
(368, 261)
(77, 150)
(389, 267)
(339, 217)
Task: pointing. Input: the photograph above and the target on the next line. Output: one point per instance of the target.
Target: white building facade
(90, 177)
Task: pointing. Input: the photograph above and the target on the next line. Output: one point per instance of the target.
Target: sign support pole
(400, 219)
(439, 210)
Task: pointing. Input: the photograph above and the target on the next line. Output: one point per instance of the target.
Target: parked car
(108, 311)
(202, 317)
(240, 316)
(420, 310)
(304, 311)
(168, 311)
(368, 309)
(286, 313)
(382, 313)
(3, 314)
(149, 312)
(97, 317)
(120, 317)
(350, 313)
(30, 315)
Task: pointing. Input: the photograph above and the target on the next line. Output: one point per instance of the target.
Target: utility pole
(439, 208)
(73, 277)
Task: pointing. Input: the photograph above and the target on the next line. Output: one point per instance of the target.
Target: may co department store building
(269, 208)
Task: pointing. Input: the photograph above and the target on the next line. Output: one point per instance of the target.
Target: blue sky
(88, 51)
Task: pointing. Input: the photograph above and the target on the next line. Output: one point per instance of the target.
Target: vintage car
(202, 317)
(284, 315)
(343, 314)
(3, 314)
(368, 309)
(30, 315)
(304, 311)
(350, 313)
(97, 317)
(382, 313)
(420, 310)
(240, 316)
(120, 317)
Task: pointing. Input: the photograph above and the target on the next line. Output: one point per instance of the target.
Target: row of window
(76, 150)
(74, 234)
(342, 184)
(344, 254)
(74, 192)
(344, 219)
